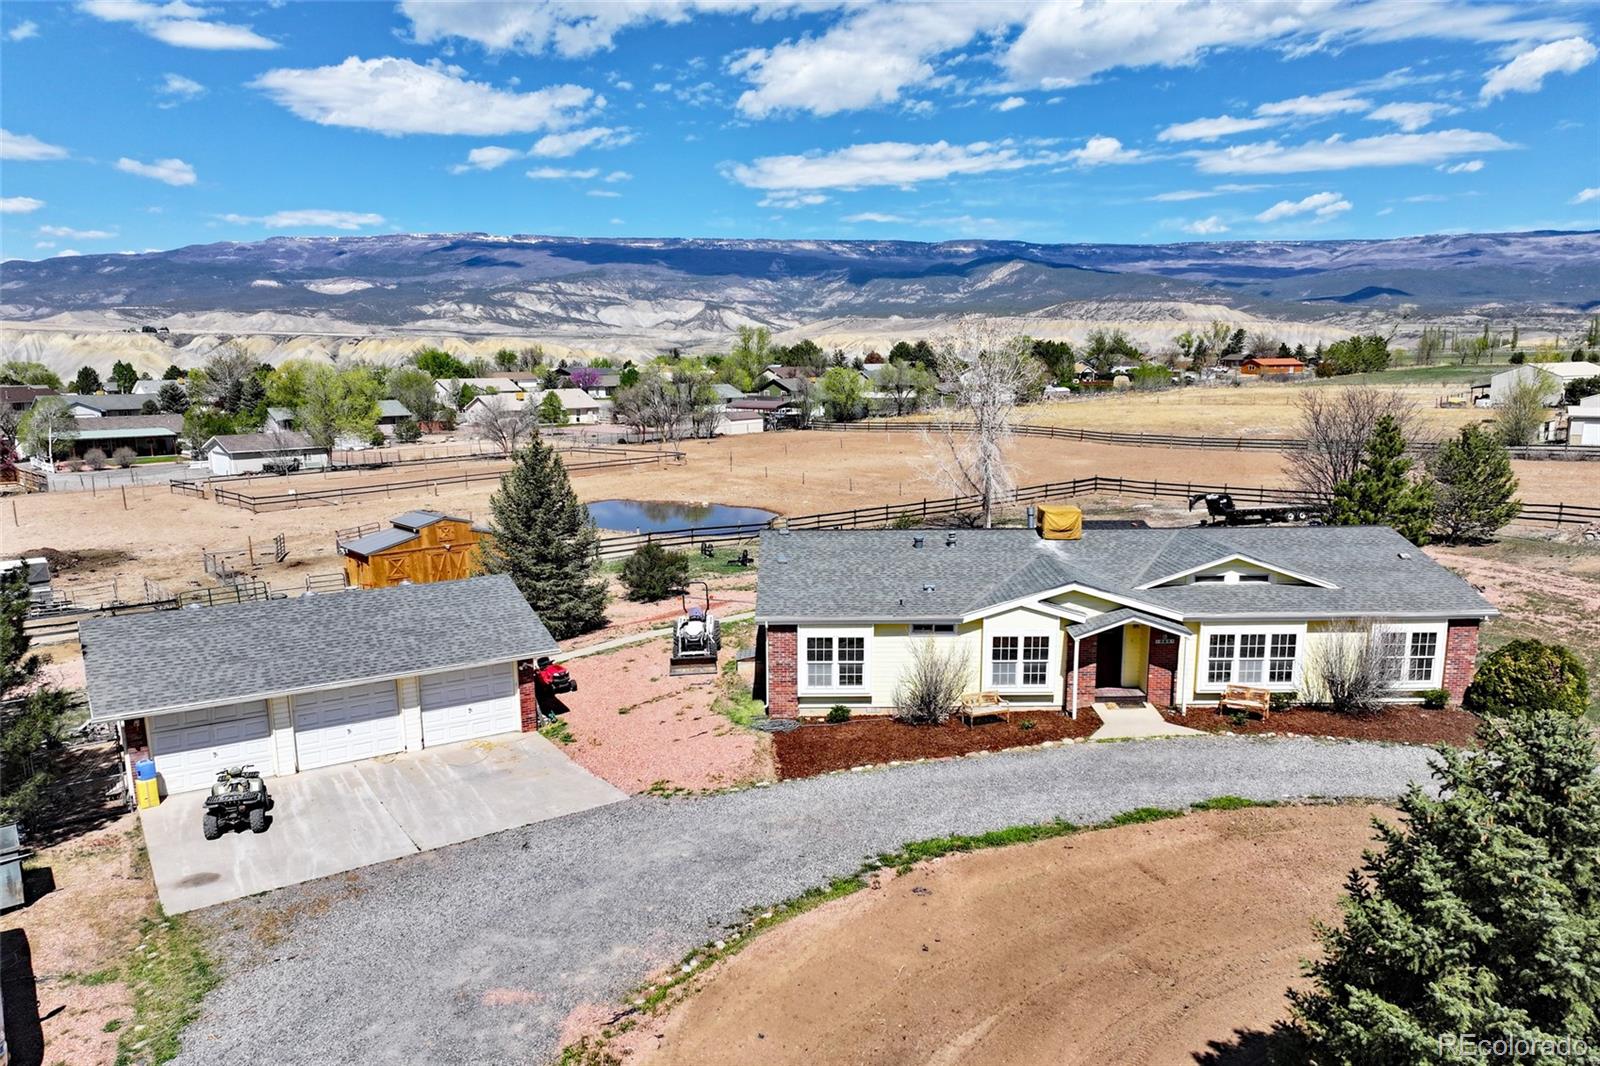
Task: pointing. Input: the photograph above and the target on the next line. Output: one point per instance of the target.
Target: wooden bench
(983, 705)
(1245, 698)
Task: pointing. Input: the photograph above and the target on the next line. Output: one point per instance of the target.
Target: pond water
(653, 516)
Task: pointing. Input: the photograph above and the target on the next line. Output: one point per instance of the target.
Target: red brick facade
(528, 694)
(1163, 672)
(783, 677)
(1460, 656)
(1088, 649)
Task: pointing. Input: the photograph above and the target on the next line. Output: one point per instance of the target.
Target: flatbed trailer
(1220, 508)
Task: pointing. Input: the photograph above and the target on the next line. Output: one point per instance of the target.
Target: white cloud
(487, 158)
(396, 96)
(603, 194)
(1321, 204)
(1585, 196)
(1336, 102)
(789, 200)
(572, 28)
(1471, 166)
(66, 252)
(1336, 153)
(77, 234)
(1410, 117)
(23, 30)
(310, 218)
(1526, 72)
(19, 205)
(1011, 103)
(1100, 150)
(563, 174)
(20, 147)
(880, 163)
(1180, 195)
(1209, 129)
(177, 89)
(560, 145)
(179, 24)
(875, 216)
(618, 175)
(1205, 226)
(171, 171)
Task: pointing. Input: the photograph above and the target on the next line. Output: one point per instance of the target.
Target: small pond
(653, 516)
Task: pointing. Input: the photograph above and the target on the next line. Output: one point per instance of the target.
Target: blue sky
(133, 125)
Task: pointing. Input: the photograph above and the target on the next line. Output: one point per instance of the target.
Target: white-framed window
(1019, 662)
(1219, 658)
(836, 662)
(1424, 650)
(1392, 650)
(933, 629)
(1247, 655)
(1003, 655)
(1280, 666)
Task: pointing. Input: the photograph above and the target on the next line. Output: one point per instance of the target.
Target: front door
(1108, 664)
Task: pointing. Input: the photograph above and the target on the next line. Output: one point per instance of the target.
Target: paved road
(476, 953)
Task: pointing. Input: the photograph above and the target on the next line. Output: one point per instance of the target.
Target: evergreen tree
(1475, 492)
(1382, 491)
(32, 715)
(1481, 917)
(124, 375)
(87, 383)
(544, 538)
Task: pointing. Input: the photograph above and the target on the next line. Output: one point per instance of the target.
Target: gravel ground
(477, 953)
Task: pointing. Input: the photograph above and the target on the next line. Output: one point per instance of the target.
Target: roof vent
(916, 542)
(949, 540)
(783, 531)
(929, 588)
(783, 557)
(1403, 555)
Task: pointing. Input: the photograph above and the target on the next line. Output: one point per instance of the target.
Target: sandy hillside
(1142, 945)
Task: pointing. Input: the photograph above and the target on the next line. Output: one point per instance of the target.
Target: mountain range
(646, 294)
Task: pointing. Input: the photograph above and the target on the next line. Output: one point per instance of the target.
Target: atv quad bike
(239, 798)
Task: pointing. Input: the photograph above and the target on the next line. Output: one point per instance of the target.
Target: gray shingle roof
(111, 402)
(238, 444)
(1122, 616)
(879, 575)
(393, 409)
(174, 660)
(376, 542)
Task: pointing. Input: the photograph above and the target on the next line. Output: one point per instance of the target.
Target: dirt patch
(730, 595)
(817, 748)
(641, 729)
(1402, 725)
(79, 561)
(1146, 944)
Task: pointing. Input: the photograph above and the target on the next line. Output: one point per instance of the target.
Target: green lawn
(1438, 374)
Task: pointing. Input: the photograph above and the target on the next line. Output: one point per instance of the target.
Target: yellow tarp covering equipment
(1059, 522)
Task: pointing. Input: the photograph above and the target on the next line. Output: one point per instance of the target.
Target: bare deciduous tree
(930, 689)
(991, 375)
(1522, 412)
(503, 421)
(1352, 667)
(1336, 424)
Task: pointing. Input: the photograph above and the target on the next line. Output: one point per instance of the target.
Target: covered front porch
(1126, 656)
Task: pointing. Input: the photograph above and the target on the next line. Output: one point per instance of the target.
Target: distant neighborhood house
(252, 453)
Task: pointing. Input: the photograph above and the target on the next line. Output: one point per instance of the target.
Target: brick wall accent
(1163, 671)
(1087, 654)
(528, 694)
(783, 672)
(1460, 656)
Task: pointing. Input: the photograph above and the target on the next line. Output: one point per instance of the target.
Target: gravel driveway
(476, 953)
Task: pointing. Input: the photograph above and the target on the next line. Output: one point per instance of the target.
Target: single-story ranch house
(249, 453)
(290, 685)
(1174, 614)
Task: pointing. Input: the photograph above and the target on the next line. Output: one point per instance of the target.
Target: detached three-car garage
(292, 685)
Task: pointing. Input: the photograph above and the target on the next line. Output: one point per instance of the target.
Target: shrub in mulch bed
(819, 747)
(1402, 724)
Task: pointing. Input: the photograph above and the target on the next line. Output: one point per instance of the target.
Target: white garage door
(464, 704)
(190, 748)
(345, 724)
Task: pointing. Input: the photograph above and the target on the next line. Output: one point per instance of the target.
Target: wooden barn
(420, 547)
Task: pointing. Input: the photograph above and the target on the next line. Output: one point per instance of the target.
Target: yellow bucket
(148, 793)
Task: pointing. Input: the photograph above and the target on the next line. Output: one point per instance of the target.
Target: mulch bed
(1400, 724)
(817, 748)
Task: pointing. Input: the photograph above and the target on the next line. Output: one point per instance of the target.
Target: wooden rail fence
(1557, 514)
(1177, 440)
